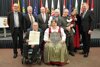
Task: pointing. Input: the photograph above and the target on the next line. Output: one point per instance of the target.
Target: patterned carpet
(6, 60)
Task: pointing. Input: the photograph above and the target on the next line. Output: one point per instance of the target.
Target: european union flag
(23, 7)
(35, 8)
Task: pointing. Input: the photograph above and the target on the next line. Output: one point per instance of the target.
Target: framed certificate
(3, 22)
(34, 38)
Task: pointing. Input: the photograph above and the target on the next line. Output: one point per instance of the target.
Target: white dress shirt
(16, 19)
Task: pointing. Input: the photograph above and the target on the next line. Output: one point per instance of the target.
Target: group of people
(60, 35)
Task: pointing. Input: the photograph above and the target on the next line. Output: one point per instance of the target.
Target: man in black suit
(86, 28)
(29, 18)
(43, 24)
(16, 25)
(43, 19)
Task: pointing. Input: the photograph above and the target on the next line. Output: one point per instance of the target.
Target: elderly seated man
(35, 48)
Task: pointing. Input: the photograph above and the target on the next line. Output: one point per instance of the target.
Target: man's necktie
(31, 18)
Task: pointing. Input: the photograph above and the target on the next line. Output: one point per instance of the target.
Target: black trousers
(26, 48)
(17, 37)
(70, 43)
(86, 42)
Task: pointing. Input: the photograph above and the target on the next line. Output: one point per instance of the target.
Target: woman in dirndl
(55, 51)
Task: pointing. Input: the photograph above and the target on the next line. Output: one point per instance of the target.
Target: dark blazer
(11, 21)
(43, 25)
(27, 21)
(87, 21)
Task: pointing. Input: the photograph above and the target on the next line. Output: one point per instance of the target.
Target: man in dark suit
(16, 25)
(29, 18)
(43, 19)
(43, 24)
(86, 28)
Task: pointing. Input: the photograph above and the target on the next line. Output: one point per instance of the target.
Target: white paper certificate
(34, 38)
(3, 22)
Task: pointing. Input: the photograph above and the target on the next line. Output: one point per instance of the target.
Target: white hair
(35, 23)
(57, 10)
(29, 7)
(15, 4)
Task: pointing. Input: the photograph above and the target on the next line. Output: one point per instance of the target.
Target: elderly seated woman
(55, 50)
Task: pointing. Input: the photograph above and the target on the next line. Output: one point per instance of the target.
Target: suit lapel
(85, 14)
(19, 18)
(28, 17)
(13, 17)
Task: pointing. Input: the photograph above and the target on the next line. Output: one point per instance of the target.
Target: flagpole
(29, 4)
(52, 5)
(92, 5)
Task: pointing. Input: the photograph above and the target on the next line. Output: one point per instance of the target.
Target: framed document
(34, 38)
(3, 22)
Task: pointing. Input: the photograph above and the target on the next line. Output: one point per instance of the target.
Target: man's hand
(89, 32)
(27, 40)
(71, 25)
(32, 46)
(68, 28)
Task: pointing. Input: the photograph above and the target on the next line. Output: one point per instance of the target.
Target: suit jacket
(11, 21)
(28, 21)
(43, 25)
(87, 21)
(64, 22)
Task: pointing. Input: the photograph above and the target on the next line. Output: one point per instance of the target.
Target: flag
(70, 7)
(12, 3)
(92, 5)
(29, 4)
(87, 2)
(81, 6)
(76, 5)
(64, 4)
(23, 7)
(18, 5)
(58, 5)
(41, 4)
(36, 8)
(52, 5)
(46, 4)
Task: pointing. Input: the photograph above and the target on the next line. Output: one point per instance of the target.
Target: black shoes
(81, 53)
(71, 53)
(86, 55)
(15, 56)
